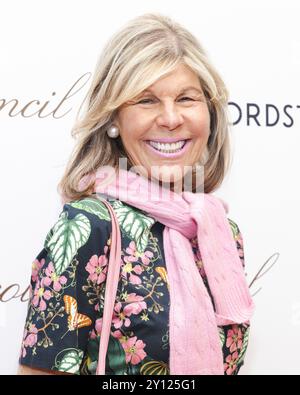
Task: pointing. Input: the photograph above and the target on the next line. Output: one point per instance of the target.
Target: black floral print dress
(67, 286)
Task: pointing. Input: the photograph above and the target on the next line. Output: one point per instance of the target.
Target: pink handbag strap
(112, 280)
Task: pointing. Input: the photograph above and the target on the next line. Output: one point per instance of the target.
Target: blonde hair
(144, 50)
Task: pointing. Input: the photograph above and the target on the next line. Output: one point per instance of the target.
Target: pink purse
(112, 280)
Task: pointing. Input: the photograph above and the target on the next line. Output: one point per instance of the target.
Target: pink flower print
(39, 295)
(97, 267)
(118, 335)
(119, 317)
(30, 291)
(134, 350)
(29, 338)
(133, 297)
(98, 328)
(35, 268)
(52, 277)
(134, 255)
(146, 256)
(98, 325)
(23, 349)
(134, 308)
(230, 365)
(128, 269)
(234, 338)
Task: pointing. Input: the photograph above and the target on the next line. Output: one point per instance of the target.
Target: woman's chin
(168, 178)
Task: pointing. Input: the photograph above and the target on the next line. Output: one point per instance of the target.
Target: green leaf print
(222, 336)
(70, 361)
(67, 237)
(93, 206)
(154, 368)
(48, 237)
(234, 228)
(245, 345)
(116, 356)
(135, 224)
(93, 349)
(133, 369)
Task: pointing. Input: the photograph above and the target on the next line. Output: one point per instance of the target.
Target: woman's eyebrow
(184, 90)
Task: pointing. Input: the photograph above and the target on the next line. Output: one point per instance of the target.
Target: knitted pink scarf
(195, 346)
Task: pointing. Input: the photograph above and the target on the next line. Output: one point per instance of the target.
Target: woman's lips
(167, 154)
(168, 139)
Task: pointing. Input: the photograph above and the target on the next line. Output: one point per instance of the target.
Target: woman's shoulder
(135, 224)
(92, 213)
(83, 223)
(90, 207)
(94, 205)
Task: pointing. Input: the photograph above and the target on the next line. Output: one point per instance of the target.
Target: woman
(157, 115)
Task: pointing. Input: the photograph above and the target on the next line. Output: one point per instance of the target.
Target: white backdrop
(47, 51)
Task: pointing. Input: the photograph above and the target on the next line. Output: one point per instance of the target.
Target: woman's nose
(169, 116)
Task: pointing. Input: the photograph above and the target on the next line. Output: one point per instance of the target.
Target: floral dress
(67, 286)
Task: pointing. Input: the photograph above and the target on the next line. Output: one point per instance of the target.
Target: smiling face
(172, 110)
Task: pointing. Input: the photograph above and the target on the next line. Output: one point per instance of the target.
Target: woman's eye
(188, 98)
(144, 101)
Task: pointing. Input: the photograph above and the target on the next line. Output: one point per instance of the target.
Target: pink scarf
(195, 346)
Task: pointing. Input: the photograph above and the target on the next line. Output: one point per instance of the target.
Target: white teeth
(166, 147)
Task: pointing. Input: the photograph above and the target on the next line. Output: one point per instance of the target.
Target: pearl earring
(113, 132)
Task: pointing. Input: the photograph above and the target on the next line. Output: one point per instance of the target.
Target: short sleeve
(235, 338)
(66, 281)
